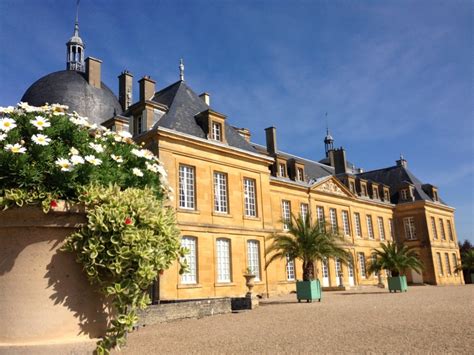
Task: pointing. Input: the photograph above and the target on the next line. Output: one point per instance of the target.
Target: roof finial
(76, 24)
(401, 157)
(181, 69)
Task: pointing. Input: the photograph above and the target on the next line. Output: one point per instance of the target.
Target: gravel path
(426, 319)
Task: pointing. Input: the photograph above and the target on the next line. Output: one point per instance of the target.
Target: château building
(233, 194)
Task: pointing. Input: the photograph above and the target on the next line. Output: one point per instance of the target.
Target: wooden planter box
(398, 283)
(45, 297)
(308, 290)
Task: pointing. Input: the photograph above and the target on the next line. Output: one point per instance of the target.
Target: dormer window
(386, 196)
(404, 194)
(435, 195)
(139, 125)
(300, 174)
(216, 132)
(352, 186)
(282, 169)
(364, 190)
(375, 194)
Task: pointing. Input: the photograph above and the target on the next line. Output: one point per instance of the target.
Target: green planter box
(398, 283)
(308, 290)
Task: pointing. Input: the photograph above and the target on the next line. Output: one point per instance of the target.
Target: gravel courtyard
(426, 319)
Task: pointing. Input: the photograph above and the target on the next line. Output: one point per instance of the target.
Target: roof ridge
(371, 171)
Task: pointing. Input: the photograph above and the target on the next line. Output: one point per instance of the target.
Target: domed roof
(69, 87)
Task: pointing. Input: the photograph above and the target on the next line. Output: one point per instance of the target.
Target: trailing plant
(395, 259)
(47, 154)
(308, 241)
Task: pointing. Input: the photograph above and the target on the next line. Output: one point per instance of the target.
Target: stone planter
(398, 283)
(308, 290)
(45, 297)
(249, 282)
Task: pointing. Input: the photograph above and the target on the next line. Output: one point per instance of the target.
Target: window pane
(290, 269)
(362, 265)
(357, 224)
(433, 228)
(333, 218)
(440, 264)
(190, 277)
(450, 231)
(448, 264)
(220, 192)
(441, 229)
(286, 213)
(186, 187)
(304, 211)
(370, 228)
(345, 222)
(249, 195)
(223, 260)
(320, 214)
(381, 228)
(409, 223)
(253, 258)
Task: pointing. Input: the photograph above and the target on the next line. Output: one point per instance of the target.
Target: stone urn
(249, 282)
(45, 297)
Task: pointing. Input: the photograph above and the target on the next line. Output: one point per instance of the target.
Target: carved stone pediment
(331, 187)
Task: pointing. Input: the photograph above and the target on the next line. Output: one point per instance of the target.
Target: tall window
(223, 260)
(249, 196)
(282, 169)
(320, 214)
(441, 229)
(357, 224)
(374, 259)
(345, 223)
(285, 213)
(386, 196)
(375, 194)
(450, 230)
(364, 190)
(455, 263)
(190, 277)
(304, 211)
(325, 268)
(390, 225)
(290, 269)
(220, 192)
(440, 264)
(362, 265)
(300, 174)
(433, 228)
(253, 259)
(448, 264)
(333, 218)
(186, 187)
(370, 227)
(410, 231)
(352, 187)
(216, 131)
(381, 228)
(404, 194)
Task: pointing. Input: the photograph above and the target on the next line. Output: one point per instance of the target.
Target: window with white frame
(374, 260)
(381, 228)
(338, 264)
(253, 259)
(320, 214)
(440, 264)
(220, 193)
(300, 174)
(223, 260)
(250, 198)
(352, 187)
(404, 194)
(290, 269)
(333, 219)
(362, 265)
(455, 263)
(448, 264)
(392, 231)
(386, 196)
(433, 228)
(325, 268)
(285, 213)
(345, 223)
(441, 229)
(375, 193)
(370, 227)
(358, 228)
(450, 230)
(216, 133)
(186, 187)
(304, 209)
(190, 276)
(282, 169)
(410, 231)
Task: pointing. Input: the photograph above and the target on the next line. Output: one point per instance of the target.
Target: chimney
(93, 71)
(270, 134)
(402, 162)
(125, 89)
(206, 98)
(339, 160)
(147, 88)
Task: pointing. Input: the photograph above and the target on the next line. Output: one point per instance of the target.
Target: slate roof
(394, 177)
(312, 169)
(183, 105)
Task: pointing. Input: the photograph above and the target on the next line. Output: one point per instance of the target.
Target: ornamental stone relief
(331, 187)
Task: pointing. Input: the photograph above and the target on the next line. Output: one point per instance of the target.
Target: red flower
(128, 221)
(53, 204)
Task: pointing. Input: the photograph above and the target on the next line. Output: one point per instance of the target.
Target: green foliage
(130, 236)
(395, 259)
(308, 241)
(467, 261)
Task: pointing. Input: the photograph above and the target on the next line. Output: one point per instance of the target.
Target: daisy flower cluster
(68, 149)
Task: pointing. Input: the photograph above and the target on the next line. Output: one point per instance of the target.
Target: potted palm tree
(467, 263)
(307, 242)
(396, 260)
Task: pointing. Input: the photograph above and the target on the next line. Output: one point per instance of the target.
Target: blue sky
(394, 76)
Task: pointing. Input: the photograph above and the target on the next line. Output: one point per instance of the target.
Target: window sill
(184, 286)
(221, 214)
(250, 218)
(287, 282)
(224, 284)
(184, 210)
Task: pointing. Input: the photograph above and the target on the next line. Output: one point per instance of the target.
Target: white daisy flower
(77, 159)
(58, 109)
(41, 139)
(93, 160)
(148, 155)
(15, 148)
(9, 109)
(7, 124)
(65, 164)
(137, 172)
(138, 152)
(152, 167)
(3, 136)
(97, 147)
(125, 134)
(73, 151)
(117, 158)
(79, 121)
(40, 122)
(25, 106)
